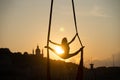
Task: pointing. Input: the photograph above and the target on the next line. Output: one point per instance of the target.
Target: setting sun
(59, 50)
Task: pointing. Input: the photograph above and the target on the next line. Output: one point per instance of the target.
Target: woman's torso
(66, 48)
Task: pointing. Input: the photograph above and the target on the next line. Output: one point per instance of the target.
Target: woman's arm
(54, 43)
(73, 38)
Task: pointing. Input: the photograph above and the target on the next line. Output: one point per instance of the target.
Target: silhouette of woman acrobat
(65, 46)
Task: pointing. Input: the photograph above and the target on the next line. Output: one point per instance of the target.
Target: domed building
(37, 51)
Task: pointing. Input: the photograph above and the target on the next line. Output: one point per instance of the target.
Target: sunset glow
(24, 25)
(59, 50)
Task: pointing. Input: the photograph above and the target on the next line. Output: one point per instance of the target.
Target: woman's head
(64, 40)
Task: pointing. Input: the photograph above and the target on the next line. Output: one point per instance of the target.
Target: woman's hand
(82, 47)
(76, 34)
(50, 41)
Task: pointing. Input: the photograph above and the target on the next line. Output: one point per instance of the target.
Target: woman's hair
(64, 40)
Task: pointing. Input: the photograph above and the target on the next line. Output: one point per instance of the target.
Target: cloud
(94, 11)
(98, 11)
(108, 61)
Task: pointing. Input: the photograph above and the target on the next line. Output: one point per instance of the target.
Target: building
(38, 52)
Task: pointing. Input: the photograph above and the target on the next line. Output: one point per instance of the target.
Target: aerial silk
(80, 66)
(48, 37)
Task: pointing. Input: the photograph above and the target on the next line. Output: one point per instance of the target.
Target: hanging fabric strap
(48, 37)
(80, 66)
(80, 71)
(75, 22)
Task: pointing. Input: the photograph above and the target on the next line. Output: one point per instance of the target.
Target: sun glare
(61, 29)
(59, 50)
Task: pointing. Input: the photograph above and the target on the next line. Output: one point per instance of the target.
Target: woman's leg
(54, 52)
(75, 53)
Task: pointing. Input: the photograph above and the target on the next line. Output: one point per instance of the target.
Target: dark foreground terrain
(17, 66)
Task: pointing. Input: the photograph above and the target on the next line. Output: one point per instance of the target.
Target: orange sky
(24, 24)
